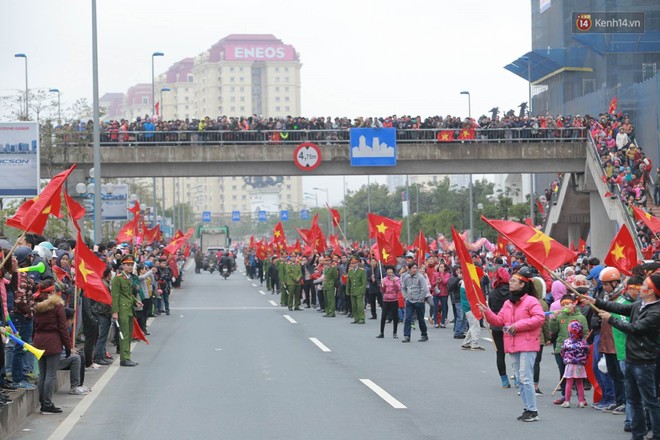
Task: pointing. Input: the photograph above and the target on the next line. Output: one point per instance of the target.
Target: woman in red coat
(50, 335)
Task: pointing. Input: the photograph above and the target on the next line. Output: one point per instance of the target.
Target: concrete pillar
(574, 231)
(602, 228)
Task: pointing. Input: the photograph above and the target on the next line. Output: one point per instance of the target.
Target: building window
(190, 78)
(187, 98)
(240, 69)
(277, 79)
(145, 100)
(286, 98)
(588, 86)
(648, 70)
(286, 108)
(243, 197)
(234, 188)
(288, 187)
(242, 108)
(186, 89)
(232, 89)
(288, 196)
(232, 99)
(233, 197)
(286, 89)
(286, 69)
(277, 108)
(277, 99)
(241, 89)
(242, 98)
(232, 79)
(233, 109)
(277, 89)
(231, 69)
(241, 79)
(286, 79)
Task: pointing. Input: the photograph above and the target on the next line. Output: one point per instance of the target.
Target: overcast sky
(360, 58)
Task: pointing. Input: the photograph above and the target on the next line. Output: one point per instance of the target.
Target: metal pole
(161, 105)
(531, 175)
(471, 212)
(153, 104)
(162, 188)
(27, 108)
(417, 201)
(345, 221)
(408, 212)
(155, 213)
(368, 194)
(531, 197)
(59, 108)
(98, 233)
(173, 204)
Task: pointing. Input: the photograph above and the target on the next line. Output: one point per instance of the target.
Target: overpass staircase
(587, 206)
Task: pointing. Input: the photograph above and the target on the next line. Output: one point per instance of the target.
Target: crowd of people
(254, 128)
(43, 308)
(527, 311)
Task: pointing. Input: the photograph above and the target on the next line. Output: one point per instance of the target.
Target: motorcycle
(225, 272)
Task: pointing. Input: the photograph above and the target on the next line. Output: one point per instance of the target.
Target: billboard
(114, 206)
(373, 147)
(19, 159)
(259, 52)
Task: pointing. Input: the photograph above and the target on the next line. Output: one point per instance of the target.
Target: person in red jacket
(521, 318)
(50, 335)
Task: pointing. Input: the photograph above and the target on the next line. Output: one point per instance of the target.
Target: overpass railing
(333, 136)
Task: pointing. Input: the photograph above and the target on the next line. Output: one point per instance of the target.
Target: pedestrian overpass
(581, 206)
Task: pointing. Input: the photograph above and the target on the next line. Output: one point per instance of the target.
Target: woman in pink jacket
(521, 317)
(391, 289)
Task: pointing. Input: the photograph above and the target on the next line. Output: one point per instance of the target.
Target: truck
(213, 237)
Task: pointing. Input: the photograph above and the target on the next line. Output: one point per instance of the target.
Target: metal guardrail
(335, 136)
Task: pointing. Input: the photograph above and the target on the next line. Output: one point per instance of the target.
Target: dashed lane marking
(387, 397)
(290, 319)
(320, 345)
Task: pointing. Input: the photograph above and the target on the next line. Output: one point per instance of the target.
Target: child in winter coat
(575, 352)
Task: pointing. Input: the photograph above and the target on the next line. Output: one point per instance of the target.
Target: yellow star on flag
(381, 228)
(541, 237)
(46, 210)
(83, 270)
(466, 133)
(129, 232)
(385, 255)
(445, 136)
(648, 215)
(277, 233)
(618, 251)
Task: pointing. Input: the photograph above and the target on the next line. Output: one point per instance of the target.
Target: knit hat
(575, 329)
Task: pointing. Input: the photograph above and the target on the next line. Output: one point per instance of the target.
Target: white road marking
(320, 345)
(218, 349)
(222, 308)
(273, 303)
(387, 397)
(262, 292)
(487, 339)
(290, 319)
(254, 285)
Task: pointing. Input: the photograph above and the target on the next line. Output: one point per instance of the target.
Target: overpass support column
(574, 234)
(602, 228)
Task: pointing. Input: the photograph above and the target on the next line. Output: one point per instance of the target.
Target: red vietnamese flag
(336, 218)
(467, 133)
(471, 276)
(76, 211)
(60, 273)
(137, 332)
(89, 273)
(333, 240)
(383, 251)
(296, 246)
(445, 136)
(135, 209)
(622, 253)
(501, 246)
(176, 244)
(591, 377)
(571, 247)
(434, 245)
(540, 249)
(317, 239)
(278, 233)
(653, 223)
(540, 207)
(128, 232)
(261, 250)
(32, 215)
(304, 234)
(251, 244)
(177, 234)
(355, 246)
(422, 247)
(150, 235)
(582, 246)
(383, 225)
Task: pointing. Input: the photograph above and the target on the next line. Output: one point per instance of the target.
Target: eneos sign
(258, 52)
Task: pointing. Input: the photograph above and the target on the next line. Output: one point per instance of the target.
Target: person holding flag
(521, 318)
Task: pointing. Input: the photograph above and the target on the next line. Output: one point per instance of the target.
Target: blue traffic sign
(304, 214)
(262, 216)
(206, 217)
(236, 216)
(284, 215)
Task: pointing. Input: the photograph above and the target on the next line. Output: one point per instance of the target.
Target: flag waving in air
(622, 253)
(89, 273)
(336, 218)
(278, 234)
(471, 275)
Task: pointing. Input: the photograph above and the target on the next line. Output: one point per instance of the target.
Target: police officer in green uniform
(356, 287)
(266, 271)
(293, 275)
(123, 302)
(281, 265)
(330, 280)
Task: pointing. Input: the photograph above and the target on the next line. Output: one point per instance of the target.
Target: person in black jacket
(642, 342)
(454, 290)
(498, 295)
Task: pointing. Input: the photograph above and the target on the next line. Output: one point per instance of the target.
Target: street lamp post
(59, 106)
(469, 103)
(162, 107)
(153, 79)
(529, 112)
(22, 55)
(98, 233)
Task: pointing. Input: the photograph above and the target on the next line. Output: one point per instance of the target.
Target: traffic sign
(262, 216)
(307, 156)
(236, 216)
(284, 215)
(206, 217)
(304, 214)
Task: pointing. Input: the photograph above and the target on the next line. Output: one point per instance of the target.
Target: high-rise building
(176, 89)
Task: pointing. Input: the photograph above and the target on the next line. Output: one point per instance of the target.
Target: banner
(19, 159)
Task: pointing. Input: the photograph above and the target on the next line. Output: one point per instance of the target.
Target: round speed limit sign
(307, 156)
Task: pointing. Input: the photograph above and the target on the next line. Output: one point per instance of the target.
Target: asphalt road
(227, 364)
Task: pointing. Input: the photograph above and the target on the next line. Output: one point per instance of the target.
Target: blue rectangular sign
(373, 147)
(262, 216)
(206, 217)
(304, 214)
(236, 216)
(284, 215)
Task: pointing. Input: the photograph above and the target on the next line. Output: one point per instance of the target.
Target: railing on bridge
(334, 136)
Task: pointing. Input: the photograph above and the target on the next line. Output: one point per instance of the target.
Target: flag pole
(11, 251)
(338, 224)
(569, 287)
